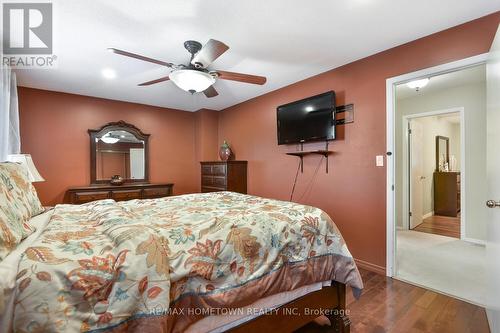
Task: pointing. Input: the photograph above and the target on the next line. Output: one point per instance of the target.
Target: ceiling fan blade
(209, 52)
(165, 78)
(210, 92)
(253, 79)
(140, 57)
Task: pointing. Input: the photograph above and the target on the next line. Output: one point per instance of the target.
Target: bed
(209, 262)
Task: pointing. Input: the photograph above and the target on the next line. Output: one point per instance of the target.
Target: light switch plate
(379, 160)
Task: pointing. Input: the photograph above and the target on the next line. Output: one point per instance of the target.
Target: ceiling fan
(195, 76)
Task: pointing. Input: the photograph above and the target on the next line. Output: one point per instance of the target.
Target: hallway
(449, 265)
(440, 225)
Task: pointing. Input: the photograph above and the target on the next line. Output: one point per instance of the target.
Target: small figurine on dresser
(443, 164)
(453, 163)
(116, 180)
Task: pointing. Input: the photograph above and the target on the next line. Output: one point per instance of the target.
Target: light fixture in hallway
(418, 84)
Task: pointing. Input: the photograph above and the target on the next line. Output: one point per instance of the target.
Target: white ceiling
(467, 76)
(285, 40)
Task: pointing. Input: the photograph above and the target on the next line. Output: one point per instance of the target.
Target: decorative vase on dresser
(224, 176)
(225, 151)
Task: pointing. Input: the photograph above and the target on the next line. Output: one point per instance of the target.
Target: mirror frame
(117, 126)
(447, 156)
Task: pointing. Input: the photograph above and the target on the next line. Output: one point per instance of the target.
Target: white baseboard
(474, 241)
(493, 319)
(427, 215)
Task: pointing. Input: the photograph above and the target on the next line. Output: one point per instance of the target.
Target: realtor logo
(27, 28)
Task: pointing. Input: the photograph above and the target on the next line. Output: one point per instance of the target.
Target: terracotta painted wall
(206, 124)
(54, 131)
(353, 192)
(206, 145)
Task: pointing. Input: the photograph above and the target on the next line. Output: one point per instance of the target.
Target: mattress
(128, 266)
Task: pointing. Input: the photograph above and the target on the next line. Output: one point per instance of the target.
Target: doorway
(435, 175)
(438, 130)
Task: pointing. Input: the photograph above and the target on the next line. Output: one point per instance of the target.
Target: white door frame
(406, 166)
(390, 140)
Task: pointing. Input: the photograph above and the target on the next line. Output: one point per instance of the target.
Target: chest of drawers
(224, 176)
(447, 193)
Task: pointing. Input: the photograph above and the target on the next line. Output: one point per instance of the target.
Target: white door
(493, 173)
(416, 173)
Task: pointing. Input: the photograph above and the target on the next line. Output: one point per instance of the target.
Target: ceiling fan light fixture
(191, 80)
(107, 138)
(417, 84)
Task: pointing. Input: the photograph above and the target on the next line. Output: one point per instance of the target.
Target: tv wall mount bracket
(348, 112)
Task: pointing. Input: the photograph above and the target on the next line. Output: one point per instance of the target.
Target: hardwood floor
(440, 225)
(389, 305)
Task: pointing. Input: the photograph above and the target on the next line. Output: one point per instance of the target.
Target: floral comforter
(140, 265)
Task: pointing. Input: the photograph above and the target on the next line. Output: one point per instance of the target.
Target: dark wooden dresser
(79, 195)
(446, 193)
(224, 176)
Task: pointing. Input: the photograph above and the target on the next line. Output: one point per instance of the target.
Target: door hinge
(392, 187)
(409, 130)
(410, 214)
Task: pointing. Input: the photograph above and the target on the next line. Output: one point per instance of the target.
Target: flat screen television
(310, 119)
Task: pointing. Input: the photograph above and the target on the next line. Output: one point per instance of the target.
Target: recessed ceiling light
(309, 108)
(417, 84)
(108, 73)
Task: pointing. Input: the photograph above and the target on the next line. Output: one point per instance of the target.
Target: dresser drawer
(160, 192)
(207, 180)
(219, 181)
(213, 169)
(206, 169)
(126, 195)
(83, 197)
(219, 169)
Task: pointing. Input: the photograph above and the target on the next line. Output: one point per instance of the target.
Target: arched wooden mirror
(120, 149)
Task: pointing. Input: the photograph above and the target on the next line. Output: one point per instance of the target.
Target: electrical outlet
(379, 160)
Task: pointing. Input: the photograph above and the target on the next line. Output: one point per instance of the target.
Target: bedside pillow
(11, 234)
(18, 203)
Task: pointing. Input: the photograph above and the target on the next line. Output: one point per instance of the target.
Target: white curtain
(10, 139)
